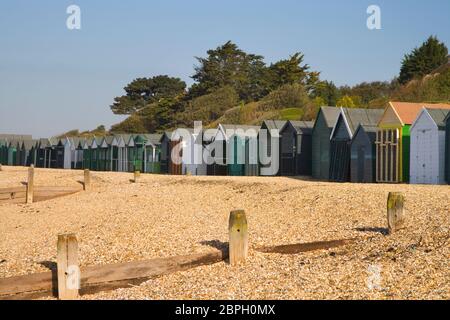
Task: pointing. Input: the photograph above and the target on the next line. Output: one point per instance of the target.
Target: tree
(346, 102)
(421, 61)
(143, 91)
(228, 65)
(327, 91)
(160, 115)
(289, 71)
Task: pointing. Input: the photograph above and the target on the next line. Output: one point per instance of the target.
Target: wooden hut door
(388, 158)
(288, 152)
(175, 165)
(424, 157)
(340, 161)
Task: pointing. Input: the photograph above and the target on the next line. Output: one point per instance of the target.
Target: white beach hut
(427, 155)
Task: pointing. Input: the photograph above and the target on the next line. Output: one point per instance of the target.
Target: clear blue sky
(53, 79)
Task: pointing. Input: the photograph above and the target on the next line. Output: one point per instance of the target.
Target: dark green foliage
(292, 71)
(228, 65)
(328, 92)
(144, 91)
(423, 60)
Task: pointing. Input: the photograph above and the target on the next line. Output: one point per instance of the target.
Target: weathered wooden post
(395, 218)
(238, 231)
(30, 184)
(137, 176)
(68, 269)
(87, 180)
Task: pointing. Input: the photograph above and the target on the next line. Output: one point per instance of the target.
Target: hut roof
(29, 144)
(109, 140)
(439, 116)
(275, 124)
(89, 141)
(407, 111)
(330, 114)
(154, 138)
(353, 117)
(303, 126)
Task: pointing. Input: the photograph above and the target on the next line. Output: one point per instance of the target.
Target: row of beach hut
(405, 142)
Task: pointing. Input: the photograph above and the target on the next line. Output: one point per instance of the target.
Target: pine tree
(421, 61)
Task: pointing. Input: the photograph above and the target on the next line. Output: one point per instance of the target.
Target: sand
(163, 216)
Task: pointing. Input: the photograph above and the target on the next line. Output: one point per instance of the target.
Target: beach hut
(191, 153)
(13, 147)
(21, 154)
(152, 153)
(363, 160)
(296, 148)
(165, 151)
(122, 152)
(323, 126)
(42, 153)
(140, 142)
(272, 130)
(89, 154)
(111, 143)
(393, 140)
(103, 152)
(56, 153)
(170, 148)
(63, 151)
(3, 151)
(235, 150)
(29, 152)
(427, 156)
(77, 152)
(341, 137)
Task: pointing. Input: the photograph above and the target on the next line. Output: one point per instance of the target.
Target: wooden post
(238, 232)
(30, 184)
(137, 175)
(68, 269)
(395, 218)
(87, 180)
(1, 167)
